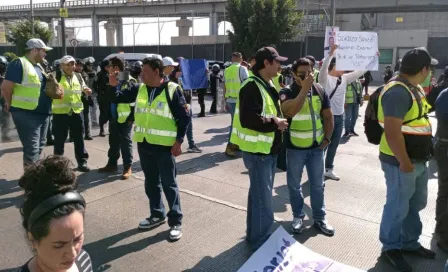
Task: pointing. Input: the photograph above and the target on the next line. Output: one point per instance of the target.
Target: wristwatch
(328, 140)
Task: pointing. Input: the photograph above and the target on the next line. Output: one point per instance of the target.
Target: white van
(131, 57)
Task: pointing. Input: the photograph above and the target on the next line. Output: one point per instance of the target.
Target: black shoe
(324, 227)
(421, 252)
(50, 142)
(83, 167)
(201, 115)
(151, 222)
(297, 225)
(346, 134)
(396, 259)
(354, 133)
(88, 138)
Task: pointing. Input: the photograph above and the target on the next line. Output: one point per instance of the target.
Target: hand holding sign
(333, 49)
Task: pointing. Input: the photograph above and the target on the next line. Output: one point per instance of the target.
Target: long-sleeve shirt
(251, 106)
(329, 83)
(177, 106)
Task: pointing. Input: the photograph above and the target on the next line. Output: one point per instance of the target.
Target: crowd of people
(302, 119)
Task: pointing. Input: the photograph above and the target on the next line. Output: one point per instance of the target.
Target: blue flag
(194, 74)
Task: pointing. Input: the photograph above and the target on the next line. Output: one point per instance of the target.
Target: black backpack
(372, 127)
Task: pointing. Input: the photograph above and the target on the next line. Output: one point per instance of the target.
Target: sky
(146, 32)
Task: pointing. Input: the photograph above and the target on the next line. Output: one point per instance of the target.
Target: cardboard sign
(357, 51)
(282, 253)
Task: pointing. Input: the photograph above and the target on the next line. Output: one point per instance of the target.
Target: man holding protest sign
(335, 84)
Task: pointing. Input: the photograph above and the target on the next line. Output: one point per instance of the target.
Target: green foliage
(20, 32)
(258, 23)
(10, 56)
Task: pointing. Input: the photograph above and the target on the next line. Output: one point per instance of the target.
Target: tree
(10, 56)
(20, 32)
(258, 23)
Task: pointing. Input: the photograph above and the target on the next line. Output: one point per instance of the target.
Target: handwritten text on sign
(357, 51)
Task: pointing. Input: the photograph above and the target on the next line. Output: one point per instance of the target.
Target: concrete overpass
(113, 10)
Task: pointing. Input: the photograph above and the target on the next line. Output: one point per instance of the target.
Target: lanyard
(151, 97)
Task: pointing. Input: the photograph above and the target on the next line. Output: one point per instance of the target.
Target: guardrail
(100, 3)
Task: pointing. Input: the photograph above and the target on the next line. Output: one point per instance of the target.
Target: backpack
(372, 127)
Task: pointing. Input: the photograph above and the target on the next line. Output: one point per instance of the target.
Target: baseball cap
(67, 59)
(415, 60)
(268, 53)
(37, 44)
(167, 61)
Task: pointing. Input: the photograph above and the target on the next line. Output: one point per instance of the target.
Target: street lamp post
(64, 45)
(32, 18)
(333, 13)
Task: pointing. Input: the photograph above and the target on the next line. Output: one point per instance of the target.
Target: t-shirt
(83, 262)
(291, 93)
(329, 84)
(396, 102)
(14, 73)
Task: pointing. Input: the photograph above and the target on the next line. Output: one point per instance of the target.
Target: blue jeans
(407, 194)
(313, 160)
(32, 129)
(120, 140)
(159, 167)
(231, 107)
(335, 138)
(260, 216)
(62, 123)
(351, 115)
(190, 130)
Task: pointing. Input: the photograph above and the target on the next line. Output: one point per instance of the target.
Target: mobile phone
(123, 75)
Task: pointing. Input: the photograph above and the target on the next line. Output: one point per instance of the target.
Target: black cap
(268, 53)
(79, 61)
(415, 60)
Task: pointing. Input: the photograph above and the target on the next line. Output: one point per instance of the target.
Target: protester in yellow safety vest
(405, 148)
(307, 107)
(121, 120)
(23, 91)
(67, 112)
(234, 76)
(161, 121)
(257, 130)
(353, 100)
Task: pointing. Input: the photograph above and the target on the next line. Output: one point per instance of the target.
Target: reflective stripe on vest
(154, 122)
(306, 126)
(72, 96)
(421, 126)
(26, 94)
(232, 80)
(250, 140)
(123, 112)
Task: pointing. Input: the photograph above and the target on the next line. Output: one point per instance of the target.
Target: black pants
(120, 140)
(159, 167)
(441, 156)
(201, 97)
(86, 113)
(61, 124)
(366, 86)
(215, 97)
(104, 113)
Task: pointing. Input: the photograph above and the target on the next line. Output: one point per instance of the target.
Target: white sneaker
(175, 233)
(331, 175)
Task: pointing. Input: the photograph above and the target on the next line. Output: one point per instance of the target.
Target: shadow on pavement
(101, 252)
(94, 178)
(203, 162)
(217, 130)
(9, 187)
(10, 150)
(229, 260)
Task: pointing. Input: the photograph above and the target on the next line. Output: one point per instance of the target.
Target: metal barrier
(99, 3)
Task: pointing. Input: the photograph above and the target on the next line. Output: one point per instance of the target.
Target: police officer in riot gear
(88, 74)
(101, 88)
(136, 70)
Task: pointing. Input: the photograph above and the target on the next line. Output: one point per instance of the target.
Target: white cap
(434, 61)
(37, 44)
(167, 61)
(67, 59)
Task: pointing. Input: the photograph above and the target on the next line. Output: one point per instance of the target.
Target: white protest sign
(282, 253)
(330, 35)
(357, 51)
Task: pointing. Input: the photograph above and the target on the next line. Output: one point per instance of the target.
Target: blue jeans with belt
(335, 138)
(32, 128)
(260, 216)
(407, 194)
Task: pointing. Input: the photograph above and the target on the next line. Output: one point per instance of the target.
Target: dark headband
(54, 202)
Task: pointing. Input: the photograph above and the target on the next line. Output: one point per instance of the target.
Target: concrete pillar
(95, 30)
(184, 26)
(213, 22)
(119, 29)
(110, 33)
